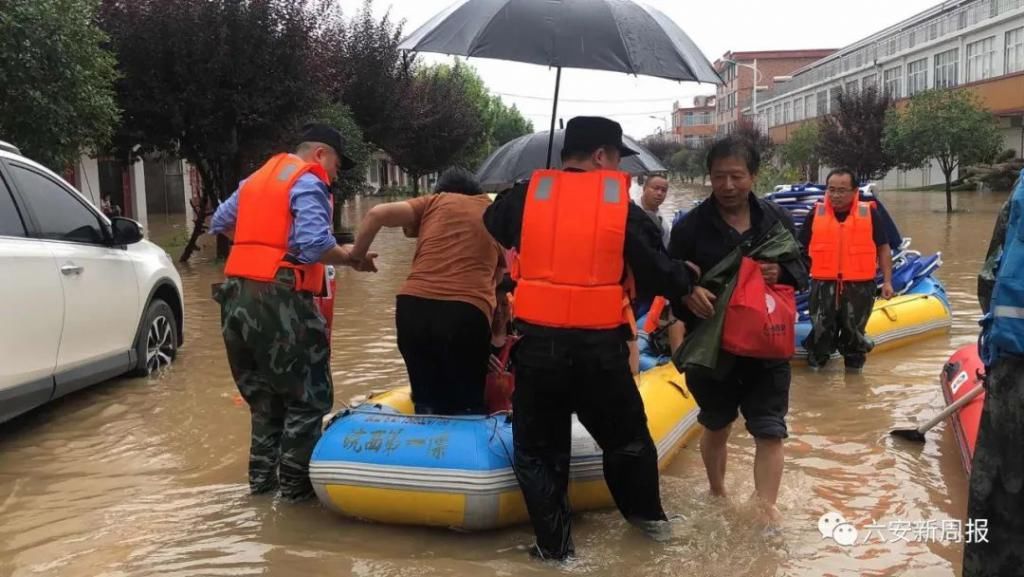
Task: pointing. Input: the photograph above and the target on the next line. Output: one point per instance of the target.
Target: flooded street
(138, 477)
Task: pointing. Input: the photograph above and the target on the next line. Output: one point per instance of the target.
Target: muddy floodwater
(148, 477)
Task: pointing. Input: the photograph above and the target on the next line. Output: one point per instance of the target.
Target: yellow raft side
(906, 319)
(672, 421)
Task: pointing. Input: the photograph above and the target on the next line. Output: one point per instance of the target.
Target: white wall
(137, 178)
(89, 179)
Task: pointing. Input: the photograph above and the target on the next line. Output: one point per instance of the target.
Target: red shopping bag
(501, 382)
(760, 320)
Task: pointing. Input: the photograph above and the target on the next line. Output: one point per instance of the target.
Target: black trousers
(586, 372)
(446, 346)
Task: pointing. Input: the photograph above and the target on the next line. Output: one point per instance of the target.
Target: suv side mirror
(125, 230)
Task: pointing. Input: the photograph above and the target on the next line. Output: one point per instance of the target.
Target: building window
(833, 100)
(798, 109)
(917, 76)
(869, 81)
(809, 110)
(946, 66)
(891, 81)
(821, 102)
(980, 56)
(771, 117)
(1015, 50)
(697, 119)
(851, 87)
(778, 114)
(787, 112)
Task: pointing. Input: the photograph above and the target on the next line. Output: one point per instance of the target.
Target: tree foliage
(442, 124)
(801, 150)
(689, 163)
(56, 79)
(366, 71)
(221, 84)
(949, 126)
(662, 147)
(852, 135)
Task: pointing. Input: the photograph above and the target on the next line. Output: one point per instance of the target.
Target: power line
(590, 100)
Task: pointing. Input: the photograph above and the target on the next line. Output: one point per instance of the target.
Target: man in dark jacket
(732, 217)
(571, 366)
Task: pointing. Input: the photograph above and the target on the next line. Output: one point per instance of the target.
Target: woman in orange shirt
(445, 308)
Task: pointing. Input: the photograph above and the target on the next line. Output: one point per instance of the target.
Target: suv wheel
(157, 345)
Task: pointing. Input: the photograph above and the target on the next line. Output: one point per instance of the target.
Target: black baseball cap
(324, 134)
(585, 134)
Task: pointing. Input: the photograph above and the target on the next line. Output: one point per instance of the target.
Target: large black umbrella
(518, 158)
(615, 35)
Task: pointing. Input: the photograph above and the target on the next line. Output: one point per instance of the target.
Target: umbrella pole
(554, 113)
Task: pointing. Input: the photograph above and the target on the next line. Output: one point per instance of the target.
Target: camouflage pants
(839, 322)
(997, 476)
(277, 347)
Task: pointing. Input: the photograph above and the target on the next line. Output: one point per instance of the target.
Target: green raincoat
(701, 349)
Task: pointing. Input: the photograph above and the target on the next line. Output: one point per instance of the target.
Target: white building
(967, 44)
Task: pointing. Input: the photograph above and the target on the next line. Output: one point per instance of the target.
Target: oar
(918, 433)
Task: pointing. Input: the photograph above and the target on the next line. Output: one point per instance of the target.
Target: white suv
(83, 298)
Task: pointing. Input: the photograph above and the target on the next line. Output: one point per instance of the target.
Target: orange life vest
(570, 265)
(654, 314)
(845, 250)
(265, 220)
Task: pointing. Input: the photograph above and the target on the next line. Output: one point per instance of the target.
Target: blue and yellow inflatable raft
(380, 462)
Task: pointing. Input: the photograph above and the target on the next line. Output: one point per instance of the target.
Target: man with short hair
(846, 243)
(276, 339)
(651, 199)
(570, 305)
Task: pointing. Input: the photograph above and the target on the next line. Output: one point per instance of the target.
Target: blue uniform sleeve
(311, 234)
(226, 215)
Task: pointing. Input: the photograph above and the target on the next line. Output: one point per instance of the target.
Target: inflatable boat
(380, 462)
(963, 372)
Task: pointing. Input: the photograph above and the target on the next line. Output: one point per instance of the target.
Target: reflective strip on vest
(571, 265)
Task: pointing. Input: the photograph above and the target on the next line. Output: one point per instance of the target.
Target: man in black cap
(576, 232)
(276, 339)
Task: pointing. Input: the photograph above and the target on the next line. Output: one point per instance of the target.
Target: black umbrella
(518, 158)
(615, 35)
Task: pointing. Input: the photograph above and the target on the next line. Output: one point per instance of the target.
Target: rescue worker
(276, 339)
(444, 310)
(733, 217)
(996, 495)
(846, 243)
(575, 232)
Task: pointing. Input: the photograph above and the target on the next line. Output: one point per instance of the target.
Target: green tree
(221, 83)
(363, 69)
(662, 147)
(56, 79)
(852, 135)
(801, 150)
(949, 126)
(442, 123)
(688, 163)
(508, 123)
(498, 122)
